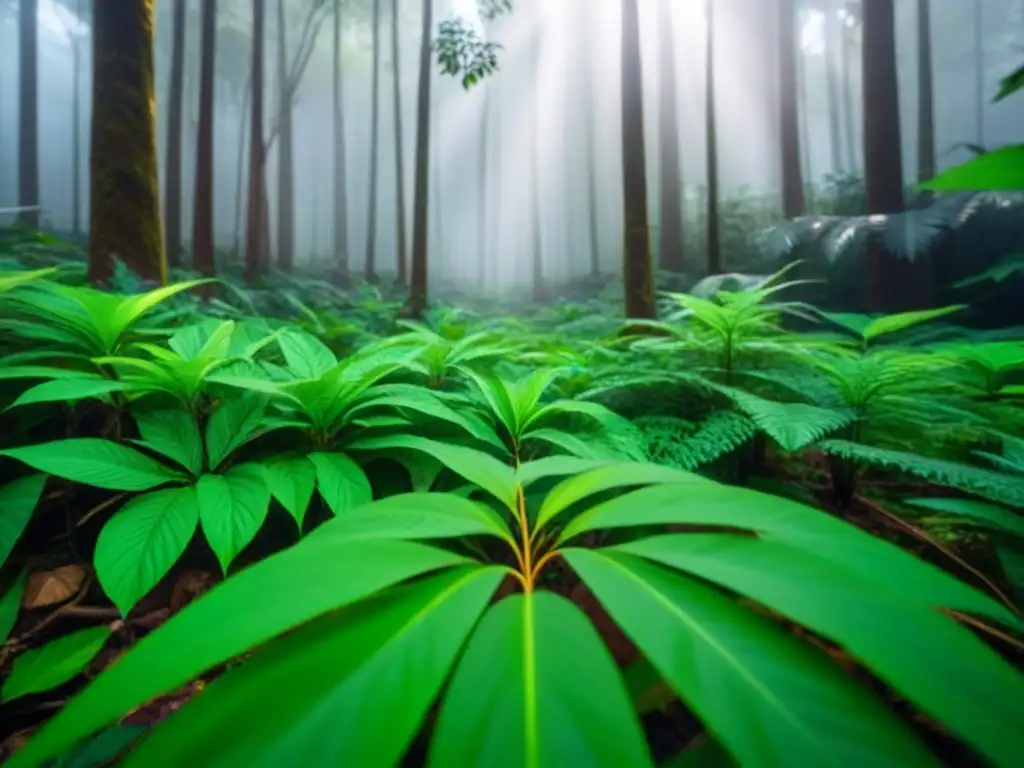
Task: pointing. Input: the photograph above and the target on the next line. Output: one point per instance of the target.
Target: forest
(591, 382)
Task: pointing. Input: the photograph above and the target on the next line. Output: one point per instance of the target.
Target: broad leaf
(18, 501)
(232, 424)
(292, 480)
(341, 481)
(140, 543)
(360, 707)
(537, 686)
(172, 433)
(41, 669)
(102, 750)
(232, 508)
(305, 355)
(96, 462)
(763, 693)
(311, 578)
(1000, 170)
(69, 390)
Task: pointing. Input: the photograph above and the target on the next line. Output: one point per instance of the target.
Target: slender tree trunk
(711, 134)
(852, 145)
(124, 221)
(370, 268)
(416, 303)
(670, 241)
(591, 160)
(402, 251)
(832, 81)
(636, 267)
(979, 72)
(537, 216)
(175, 106)
(28, 113)
(76, 131)
(243, 124)
(793, 203)
(440, 257)
(202, 219)
(340, 202)
(255, 221)
(286, 154)
(925, 94)
(483, 197)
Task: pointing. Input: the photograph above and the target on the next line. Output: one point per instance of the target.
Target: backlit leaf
(41, 669)
(341, 481)
(18, 501)
(232, 508)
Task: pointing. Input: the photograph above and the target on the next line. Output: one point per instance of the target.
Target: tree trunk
(254, 223)
(793, 204)
(711, 135)
(670, 240)
(853, 161)
(636, 266)
(286, 154)
(243, 124)
(175, 106)
(202, 219)
(28, 113)
(76, 129)
(925, 94)
(591, 161)
(537, 216)
(370, 268)
(832, 81)
(402, 249)
(124, 221)
(979, 72)
(416, 303)
(340, 202)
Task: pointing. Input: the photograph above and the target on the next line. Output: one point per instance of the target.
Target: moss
(125, 201)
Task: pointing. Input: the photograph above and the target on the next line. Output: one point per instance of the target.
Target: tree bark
(402, 249)
(202, 220)
(175, 107)
(416, 303)
(340, 201)
(670, 240)
(636, 266)
(124, 221)
(711, 134)
(286, 153)
(925, 94)
(793, 203)
(832, 82)
(76, 128)
(980, 97)
(370, 263)
(255, 224)
(28, 113)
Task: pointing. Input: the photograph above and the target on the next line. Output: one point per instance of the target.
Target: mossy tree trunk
(202, 220)
(124, 219)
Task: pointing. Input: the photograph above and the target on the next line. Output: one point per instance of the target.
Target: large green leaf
(69, 390)
(172, 433)
(417, 516)
(41, 669)
(305, 355)
(232, 424)
(10, 604)
(140, 543)
(774, 517)
(310, 579)
(96, 462)
(18, 501)
(102, 750)
(232, 508)
(1001, 170)
(535, 687)
(341, 481)
(979, 512)
(555, 466)
(765, 695)
(292, 480)
(362, 682)
(908, 645)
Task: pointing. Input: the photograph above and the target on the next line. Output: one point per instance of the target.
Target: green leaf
(361, 707)
(96, 462)
(537, 686)
(139, 544)
(292, 480)
(172, 433)
(10, 280)
(234, 422)
(69, 390)
(417, 516)
(880, 326)
(232, 508)
(314, 577)
(702, 752)
(341, 482)
(134, 307)
(903, 642)
(10, 605)
(1001, 170)
(765, 695)
(41, 669)
(305, 355)
(475, 466)
(605, 478)
(554, 466)
(1010, 84)
(773, 517)
(988, 515)
(103, 749)
(18, 501)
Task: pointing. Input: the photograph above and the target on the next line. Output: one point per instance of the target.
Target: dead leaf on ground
(46, 588)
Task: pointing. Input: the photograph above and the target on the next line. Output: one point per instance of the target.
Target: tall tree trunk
(402, 250)
(416, 303)
(28, 113)
(793, 203)
(853, 160)
(286, 154)
(714, 245)
(243, 125)
(893, 284)
(590, 152)
(175, 107)
(124, 221)
(670, 240)
(636, 266)
(370, 268)
(482, 197)
(979, 72)
(254, 223)
(925, 94)
(76, 128)
(832, 82)
(537, 216)
(202, 219)
(340, 202)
